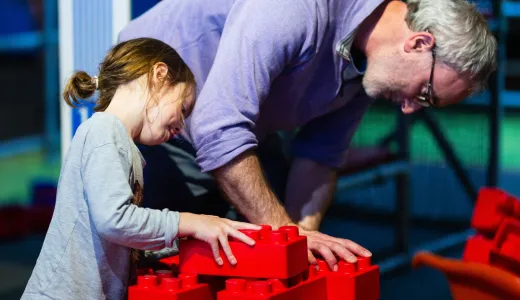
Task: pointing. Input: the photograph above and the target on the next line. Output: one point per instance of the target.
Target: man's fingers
(327, 255)
(342, 252)
(344, 248)
(227, 250)
(216, 253)
(329, 247)
(353, 247)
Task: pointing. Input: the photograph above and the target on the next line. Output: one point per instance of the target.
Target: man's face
(404, 77)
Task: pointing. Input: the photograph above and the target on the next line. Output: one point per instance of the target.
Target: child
(145, 92)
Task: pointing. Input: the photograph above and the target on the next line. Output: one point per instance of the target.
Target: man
(264, 66)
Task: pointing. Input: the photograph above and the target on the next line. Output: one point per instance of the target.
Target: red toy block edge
(358, 281)
(162, 286)
(477, 249)
(492, 206)
(278, 253)
(504, 253)
(308, 285)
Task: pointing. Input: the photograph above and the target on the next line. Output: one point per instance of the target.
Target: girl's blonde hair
(125, 62)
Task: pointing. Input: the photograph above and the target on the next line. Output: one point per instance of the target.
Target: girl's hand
(214, 230)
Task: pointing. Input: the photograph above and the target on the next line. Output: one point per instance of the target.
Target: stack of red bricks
(276, 267)
(496, 219)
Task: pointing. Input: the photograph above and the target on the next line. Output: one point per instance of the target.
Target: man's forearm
(310, 189)
(244, 184)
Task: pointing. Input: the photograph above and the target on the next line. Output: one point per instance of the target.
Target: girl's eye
(183, 110)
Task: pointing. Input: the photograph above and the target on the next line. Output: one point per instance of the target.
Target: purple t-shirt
(263, 66)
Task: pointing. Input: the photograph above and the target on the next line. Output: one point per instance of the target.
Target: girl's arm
(108, 195)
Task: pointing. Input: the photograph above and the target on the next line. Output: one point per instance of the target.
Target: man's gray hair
(463, 40)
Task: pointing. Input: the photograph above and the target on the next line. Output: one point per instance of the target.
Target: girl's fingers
(216, 253)
(241, 237)
(227, 250)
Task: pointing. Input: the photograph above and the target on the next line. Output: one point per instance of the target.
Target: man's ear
(419, 42)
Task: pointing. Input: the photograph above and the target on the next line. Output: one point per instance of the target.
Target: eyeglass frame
(426, 99)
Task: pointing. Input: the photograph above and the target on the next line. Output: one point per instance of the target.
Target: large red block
(477, 249)
(277, 254)
(163, 286)
(506, 247)
(171, 261)
(305, 286)
(359, 281)
(492, 206)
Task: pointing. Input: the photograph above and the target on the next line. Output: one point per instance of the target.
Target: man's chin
(373, 93)
(386, 96)
(379, 96)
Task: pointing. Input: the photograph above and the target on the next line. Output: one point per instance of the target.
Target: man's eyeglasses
(426, 99)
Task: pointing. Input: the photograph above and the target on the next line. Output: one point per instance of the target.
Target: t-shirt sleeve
(105, 171)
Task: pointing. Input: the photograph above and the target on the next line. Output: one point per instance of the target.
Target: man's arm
(260, 40)
(244, 184)
(320, 149)
(310, 189)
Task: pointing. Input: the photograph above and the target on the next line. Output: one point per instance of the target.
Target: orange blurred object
(471, 280)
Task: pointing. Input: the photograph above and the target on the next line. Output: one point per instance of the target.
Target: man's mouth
(395, 98)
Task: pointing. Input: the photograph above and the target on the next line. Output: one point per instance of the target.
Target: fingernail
(335, 268)
(367, 253)
(233, 260)
(352, 259)
(219, 261)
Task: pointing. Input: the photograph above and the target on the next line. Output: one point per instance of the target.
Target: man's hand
(330, 247)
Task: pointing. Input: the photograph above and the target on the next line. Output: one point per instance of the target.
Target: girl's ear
(160, 71)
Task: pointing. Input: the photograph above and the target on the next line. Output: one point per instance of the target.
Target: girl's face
(165, 114)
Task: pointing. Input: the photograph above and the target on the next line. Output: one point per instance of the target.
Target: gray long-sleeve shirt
(86, 252)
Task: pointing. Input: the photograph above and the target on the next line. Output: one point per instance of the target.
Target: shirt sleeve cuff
(218, 153)
(171, 228)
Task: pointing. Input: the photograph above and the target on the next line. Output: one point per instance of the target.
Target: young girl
(145, 92)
